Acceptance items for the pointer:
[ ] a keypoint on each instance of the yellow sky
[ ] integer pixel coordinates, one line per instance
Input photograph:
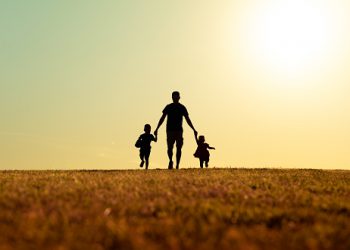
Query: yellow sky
(266, 82)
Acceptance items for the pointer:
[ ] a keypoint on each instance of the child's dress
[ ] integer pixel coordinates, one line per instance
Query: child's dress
(202, 151)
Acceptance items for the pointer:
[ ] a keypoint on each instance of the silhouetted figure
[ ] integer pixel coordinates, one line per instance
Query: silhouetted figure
(175, 112)
(202, 151)
(144, 143)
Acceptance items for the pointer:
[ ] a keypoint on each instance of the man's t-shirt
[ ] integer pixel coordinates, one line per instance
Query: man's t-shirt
(175, 113)
(146, 140)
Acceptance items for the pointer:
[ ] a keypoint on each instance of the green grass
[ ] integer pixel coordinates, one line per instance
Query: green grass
(185, 209)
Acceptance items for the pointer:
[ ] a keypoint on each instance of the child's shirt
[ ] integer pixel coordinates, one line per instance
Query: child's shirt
(146, 140)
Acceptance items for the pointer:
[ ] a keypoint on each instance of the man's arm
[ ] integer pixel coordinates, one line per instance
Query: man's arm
(161, 120)
(196, 136)
(188, 120)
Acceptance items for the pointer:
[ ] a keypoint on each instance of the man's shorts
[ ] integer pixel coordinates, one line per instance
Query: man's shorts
(175, 136)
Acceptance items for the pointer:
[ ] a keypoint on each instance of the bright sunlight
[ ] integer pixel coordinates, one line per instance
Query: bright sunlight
(292, 37)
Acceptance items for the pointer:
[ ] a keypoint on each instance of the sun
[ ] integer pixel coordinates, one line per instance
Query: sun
(290, 36)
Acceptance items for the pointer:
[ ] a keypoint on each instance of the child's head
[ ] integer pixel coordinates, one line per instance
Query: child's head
(147, 129)
(201, 138)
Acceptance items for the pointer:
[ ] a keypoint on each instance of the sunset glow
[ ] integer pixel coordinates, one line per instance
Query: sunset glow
(266, 82)
(294, 37)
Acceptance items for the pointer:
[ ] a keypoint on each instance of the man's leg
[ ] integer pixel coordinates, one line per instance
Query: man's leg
(170, 155)
(179, 144)
(178, 156)
(170, 142)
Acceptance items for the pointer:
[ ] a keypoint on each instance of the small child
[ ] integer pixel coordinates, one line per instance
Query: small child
(144, 143)
(202, 151)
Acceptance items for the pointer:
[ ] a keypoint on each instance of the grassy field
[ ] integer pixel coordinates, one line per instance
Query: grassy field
(184, 209)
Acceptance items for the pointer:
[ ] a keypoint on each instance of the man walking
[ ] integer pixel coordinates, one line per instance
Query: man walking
(175, 112)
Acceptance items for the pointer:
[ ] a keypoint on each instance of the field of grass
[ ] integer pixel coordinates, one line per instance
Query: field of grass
(184, 209)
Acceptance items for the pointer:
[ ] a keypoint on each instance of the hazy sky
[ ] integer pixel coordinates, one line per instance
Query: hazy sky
(266, 82)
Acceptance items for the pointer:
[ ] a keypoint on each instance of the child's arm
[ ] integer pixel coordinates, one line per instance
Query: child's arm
(211, 147)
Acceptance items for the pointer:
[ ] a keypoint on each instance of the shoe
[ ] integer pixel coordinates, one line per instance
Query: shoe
(206, 164)
(141, 164)
(170, 166)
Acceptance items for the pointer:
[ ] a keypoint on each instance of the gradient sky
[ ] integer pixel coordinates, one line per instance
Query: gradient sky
(266, 82)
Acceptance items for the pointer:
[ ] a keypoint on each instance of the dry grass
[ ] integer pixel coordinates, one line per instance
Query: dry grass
(185, 209)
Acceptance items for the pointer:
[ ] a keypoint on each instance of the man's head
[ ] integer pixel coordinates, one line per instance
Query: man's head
(176, 96)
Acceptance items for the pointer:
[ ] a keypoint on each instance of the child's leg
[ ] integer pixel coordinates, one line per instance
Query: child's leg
(207, 162)
(201, 162)
(147, 162)
(142, 155)
(147, 158)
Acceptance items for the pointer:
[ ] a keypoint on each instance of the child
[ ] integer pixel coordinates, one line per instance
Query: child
(144, 143)
(202, 151)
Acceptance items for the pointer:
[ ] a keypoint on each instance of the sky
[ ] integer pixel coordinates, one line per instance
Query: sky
(266, 82)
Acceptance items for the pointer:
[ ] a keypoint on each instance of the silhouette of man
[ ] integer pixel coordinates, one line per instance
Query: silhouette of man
(175, 112)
